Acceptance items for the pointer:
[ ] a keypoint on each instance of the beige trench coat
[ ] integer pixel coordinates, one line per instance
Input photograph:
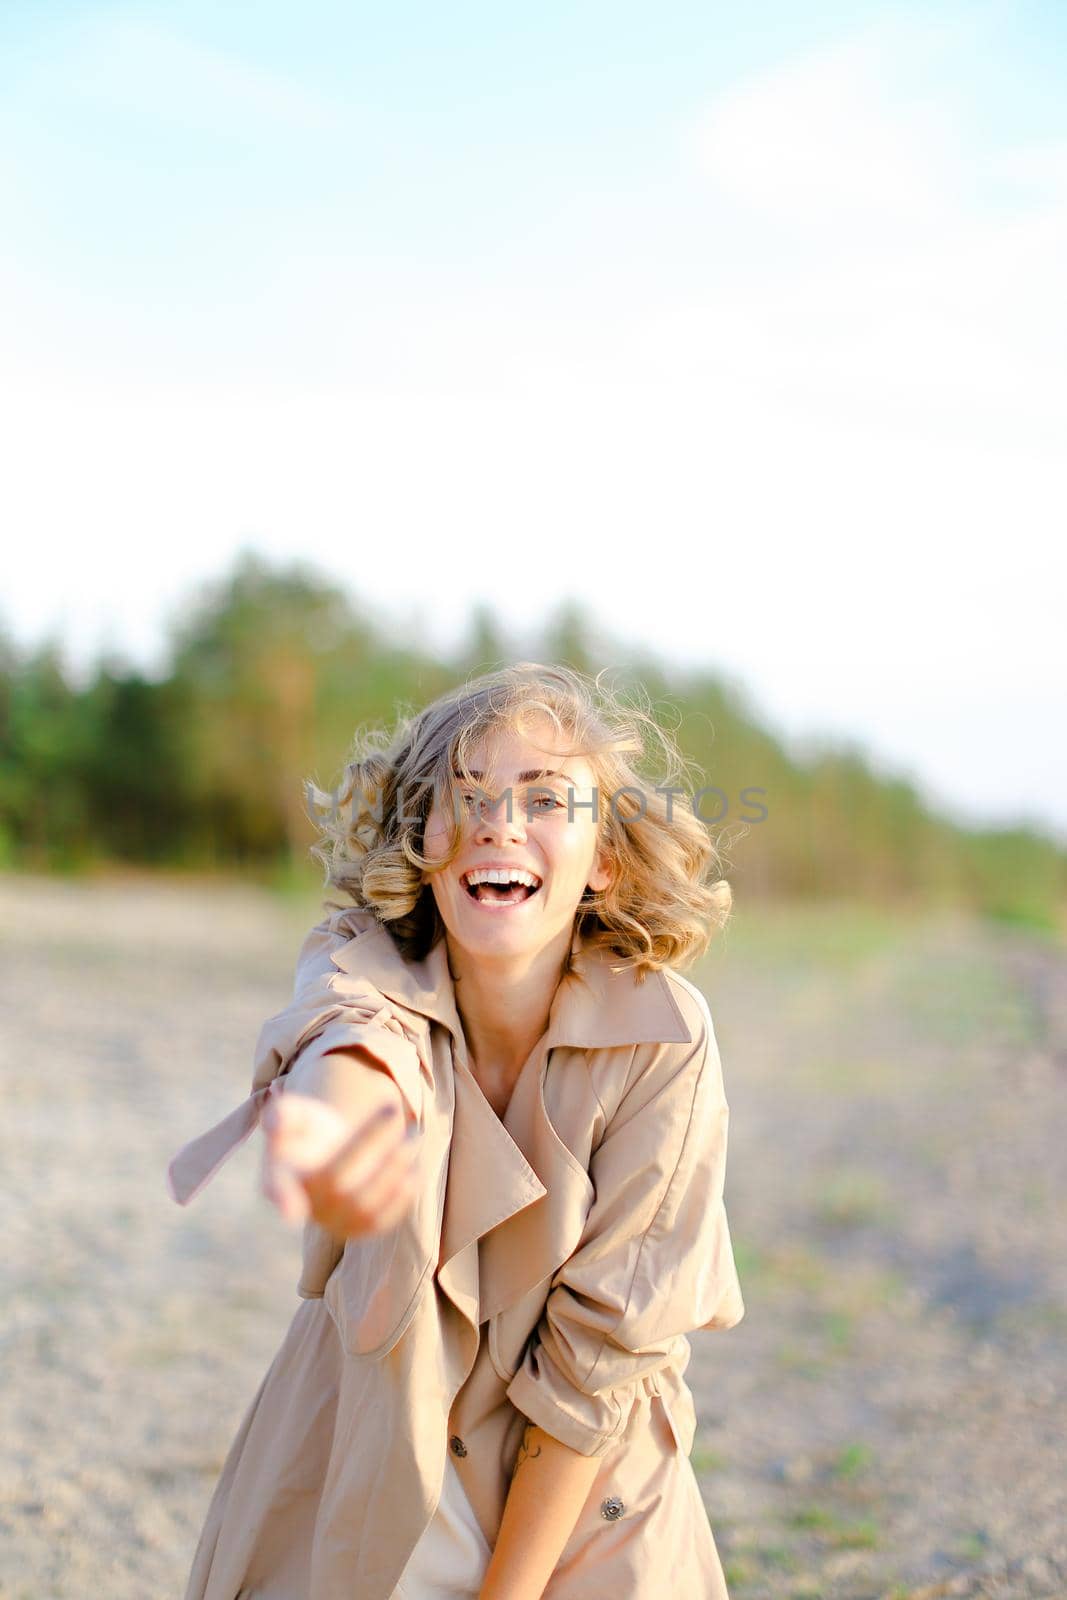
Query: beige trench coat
(550, 1268)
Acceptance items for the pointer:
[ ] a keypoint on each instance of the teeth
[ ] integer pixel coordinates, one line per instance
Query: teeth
(500, 875)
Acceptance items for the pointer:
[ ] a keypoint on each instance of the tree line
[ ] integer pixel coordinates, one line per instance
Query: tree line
(271, 669)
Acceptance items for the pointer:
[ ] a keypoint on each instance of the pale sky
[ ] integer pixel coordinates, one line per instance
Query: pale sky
(745, 326)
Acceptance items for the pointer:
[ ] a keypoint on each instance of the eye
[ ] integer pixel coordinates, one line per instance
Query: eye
(549, 801)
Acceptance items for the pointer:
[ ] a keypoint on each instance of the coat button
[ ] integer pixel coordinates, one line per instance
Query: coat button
(456, 1445)
(612, 1508)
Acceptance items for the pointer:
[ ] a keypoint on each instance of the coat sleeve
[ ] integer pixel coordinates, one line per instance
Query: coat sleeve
(654, 1262)
(330, 1010)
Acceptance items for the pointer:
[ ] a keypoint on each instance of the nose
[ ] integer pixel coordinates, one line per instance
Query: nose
(494, 824)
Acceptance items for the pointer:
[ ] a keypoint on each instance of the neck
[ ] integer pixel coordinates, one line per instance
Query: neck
(504, 1006)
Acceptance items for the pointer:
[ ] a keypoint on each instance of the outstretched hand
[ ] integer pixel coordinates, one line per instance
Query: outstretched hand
(351, 1179)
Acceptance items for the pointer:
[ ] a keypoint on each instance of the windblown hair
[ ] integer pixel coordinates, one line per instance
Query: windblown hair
(667, 896)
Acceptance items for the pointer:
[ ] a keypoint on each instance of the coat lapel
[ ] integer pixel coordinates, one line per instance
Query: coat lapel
(603, 1007)
(516, 1197)
(489, 1177)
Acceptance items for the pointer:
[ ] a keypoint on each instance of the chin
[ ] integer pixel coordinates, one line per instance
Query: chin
(487, 937)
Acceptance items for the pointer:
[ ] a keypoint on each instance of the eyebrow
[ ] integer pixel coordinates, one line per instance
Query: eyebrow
(523, 777)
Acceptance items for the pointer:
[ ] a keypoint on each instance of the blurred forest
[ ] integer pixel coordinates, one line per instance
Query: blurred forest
(271, 670)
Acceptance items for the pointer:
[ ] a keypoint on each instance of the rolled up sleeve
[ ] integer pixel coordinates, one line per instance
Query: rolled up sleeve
(330, 1011)
(654, 1262)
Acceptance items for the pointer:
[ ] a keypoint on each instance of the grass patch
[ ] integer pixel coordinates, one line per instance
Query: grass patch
(839, 1329)
(973, 1546)
(753, 1560)
(740, 1573)
(855, 1536)
(853, 1198)
(810, 1517)
(852, 1460)
(779, 1557)
(704, 1460)
(750, 1261)
(832, 1530)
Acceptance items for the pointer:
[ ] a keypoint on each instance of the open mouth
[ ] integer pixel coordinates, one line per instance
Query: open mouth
(497, 894)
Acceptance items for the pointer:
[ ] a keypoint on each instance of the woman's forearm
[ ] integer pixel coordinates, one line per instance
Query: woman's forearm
(348, 1078)
(549, 1486)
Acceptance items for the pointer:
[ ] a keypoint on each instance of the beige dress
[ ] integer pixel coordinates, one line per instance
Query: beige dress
(450, 1560)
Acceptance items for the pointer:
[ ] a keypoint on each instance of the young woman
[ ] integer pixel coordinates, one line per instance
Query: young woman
(498, 1110)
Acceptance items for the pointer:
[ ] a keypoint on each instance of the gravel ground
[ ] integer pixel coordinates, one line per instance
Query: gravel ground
(888, 1421)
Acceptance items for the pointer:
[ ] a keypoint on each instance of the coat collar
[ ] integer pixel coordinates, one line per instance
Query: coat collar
(604, 1007)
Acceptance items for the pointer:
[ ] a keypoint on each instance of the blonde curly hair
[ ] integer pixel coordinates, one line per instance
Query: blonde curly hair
(667, 896)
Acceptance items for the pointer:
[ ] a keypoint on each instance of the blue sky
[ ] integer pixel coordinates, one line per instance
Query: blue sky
(745, 325)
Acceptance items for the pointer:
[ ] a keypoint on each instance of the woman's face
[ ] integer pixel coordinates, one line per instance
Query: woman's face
(560, 850)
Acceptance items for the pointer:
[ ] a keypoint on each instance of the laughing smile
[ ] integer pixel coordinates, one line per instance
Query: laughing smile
(499, 888)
